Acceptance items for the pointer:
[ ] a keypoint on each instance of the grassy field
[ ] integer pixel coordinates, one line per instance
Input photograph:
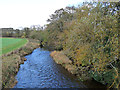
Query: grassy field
(10, 44)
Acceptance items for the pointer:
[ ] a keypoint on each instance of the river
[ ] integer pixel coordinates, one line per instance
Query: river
(40, 71)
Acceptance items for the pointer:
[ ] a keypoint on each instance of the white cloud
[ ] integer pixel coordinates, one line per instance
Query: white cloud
(14, 13)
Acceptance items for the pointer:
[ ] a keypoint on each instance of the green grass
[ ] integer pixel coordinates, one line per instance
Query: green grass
(10, 44)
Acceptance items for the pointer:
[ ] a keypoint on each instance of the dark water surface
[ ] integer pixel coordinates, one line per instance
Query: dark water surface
(40, 71)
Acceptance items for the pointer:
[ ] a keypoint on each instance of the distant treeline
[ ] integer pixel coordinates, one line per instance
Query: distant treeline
(10, 32)
(24, 33)
(89, 36)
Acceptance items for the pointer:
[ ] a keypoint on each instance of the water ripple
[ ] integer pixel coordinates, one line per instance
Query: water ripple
(40, 71)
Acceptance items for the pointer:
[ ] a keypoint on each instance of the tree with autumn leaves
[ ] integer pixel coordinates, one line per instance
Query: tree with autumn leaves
(89, 36)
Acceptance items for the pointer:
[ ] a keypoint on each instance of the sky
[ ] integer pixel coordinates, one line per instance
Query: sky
(24, 13)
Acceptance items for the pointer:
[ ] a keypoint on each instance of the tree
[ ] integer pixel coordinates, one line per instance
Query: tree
(26, 32)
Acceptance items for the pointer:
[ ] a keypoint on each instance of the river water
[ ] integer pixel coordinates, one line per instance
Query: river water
(40, 71)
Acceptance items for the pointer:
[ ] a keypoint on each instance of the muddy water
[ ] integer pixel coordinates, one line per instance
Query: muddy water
(40, 71)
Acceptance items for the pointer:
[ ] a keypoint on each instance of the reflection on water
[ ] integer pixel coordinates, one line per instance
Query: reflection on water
(40, 71)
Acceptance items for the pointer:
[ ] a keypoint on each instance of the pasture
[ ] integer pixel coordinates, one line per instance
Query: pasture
(10, 44)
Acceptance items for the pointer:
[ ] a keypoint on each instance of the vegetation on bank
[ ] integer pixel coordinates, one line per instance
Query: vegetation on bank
(10, 44)
(63, 60)
(11, 63)
(88, 35)
(9, 70)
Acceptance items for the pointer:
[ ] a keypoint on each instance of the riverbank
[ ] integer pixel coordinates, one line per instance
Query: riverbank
(12, 60)
(60, 58)
(63, 60)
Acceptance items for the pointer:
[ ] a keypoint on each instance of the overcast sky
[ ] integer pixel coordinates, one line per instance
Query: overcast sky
(24, 13)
